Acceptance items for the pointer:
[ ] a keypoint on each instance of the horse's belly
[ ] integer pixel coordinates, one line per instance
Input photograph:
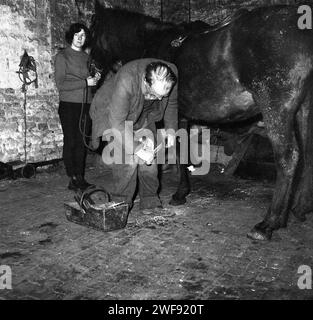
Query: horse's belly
(231, 107)
(240, 107)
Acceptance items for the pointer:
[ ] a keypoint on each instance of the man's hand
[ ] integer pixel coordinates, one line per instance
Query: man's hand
(146, 156)
(145, 151)
(169, 137)
(148, 144)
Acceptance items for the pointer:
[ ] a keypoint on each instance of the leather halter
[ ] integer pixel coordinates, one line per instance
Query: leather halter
(225, 22)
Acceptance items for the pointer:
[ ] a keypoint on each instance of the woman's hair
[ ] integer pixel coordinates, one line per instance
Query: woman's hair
(75, 28)
(153, 67)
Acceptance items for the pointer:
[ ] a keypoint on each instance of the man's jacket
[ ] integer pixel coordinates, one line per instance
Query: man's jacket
(120, 99)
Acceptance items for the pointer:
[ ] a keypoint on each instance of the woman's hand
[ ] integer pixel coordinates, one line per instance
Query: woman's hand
(92, 81)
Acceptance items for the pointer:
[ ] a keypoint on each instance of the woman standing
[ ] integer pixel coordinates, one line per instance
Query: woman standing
(74, 84)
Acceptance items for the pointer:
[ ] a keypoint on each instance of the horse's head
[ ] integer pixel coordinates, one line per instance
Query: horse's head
(101, 57)
(116, 36)
(119, 35)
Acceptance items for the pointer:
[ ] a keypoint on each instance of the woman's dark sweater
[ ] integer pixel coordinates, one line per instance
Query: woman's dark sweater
(71, 72)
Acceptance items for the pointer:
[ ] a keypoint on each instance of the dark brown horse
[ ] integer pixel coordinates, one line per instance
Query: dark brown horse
(260, 62)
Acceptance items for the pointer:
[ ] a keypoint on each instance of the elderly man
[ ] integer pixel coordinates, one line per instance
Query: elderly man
(141, 93)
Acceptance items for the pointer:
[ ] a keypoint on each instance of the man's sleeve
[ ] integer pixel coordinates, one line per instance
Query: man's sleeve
(171, 111)
(97, 114)
(119, 110)
(64, 81)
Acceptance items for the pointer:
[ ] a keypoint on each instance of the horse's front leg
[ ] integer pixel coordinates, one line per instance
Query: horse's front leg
(183, 188)
(280, 127)
(184, 184)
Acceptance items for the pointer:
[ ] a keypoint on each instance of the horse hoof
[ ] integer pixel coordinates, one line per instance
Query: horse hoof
(177, 201)
(258, 235)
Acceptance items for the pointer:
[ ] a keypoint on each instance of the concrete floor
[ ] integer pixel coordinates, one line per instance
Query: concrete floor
(197, 251)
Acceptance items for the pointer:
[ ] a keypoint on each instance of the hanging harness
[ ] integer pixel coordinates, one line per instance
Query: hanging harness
(26, 66)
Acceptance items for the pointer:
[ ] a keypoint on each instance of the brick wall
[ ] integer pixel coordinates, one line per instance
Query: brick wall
(210, 11)
(26, 25)
(150, 7)
(213, 11)
(37, 26)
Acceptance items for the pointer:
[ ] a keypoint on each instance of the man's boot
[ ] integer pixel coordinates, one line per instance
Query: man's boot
(83, 184)
(74, 184)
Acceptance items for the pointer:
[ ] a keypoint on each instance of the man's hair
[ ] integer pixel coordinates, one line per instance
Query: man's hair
(152, 67)
(75, 28)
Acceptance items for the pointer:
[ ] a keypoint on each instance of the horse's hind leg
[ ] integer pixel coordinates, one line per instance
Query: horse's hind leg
(302, 202)
(278, 114)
